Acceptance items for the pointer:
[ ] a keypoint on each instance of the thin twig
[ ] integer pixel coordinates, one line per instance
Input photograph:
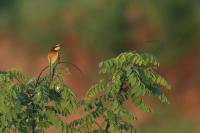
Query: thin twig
(98, 125)
(107, 126)
(33, 126)
(69, 63)
(19, 81)
(60, 62)
(40, 74)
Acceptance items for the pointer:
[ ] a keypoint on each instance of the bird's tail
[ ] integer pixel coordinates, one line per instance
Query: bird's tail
(51, 69)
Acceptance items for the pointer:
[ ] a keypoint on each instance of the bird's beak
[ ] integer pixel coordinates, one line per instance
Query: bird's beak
(57, 47)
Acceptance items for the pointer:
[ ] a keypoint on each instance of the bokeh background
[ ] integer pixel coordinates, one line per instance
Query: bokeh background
(94, 30)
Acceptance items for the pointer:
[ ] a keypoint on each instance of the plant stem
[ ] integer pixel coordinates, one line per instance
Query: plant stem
(38, 78)
(46, 67)
(33, 126)
(73, 65)
(98, 125)
(107, 126)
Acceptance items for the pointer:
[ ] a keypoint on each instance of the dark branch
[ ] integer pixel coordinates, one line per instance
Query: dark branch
(33, 126)
(60, 62)
(97, 124)
(73, 65)
(39, 76)
(107, 127)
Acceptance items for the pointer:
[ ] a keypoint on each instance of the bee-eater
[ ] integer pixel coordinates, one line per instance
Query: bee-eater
(53, 56)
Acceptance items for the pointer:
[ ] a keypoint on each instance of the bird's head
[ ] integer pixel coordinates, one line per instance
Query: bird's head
(57, 47)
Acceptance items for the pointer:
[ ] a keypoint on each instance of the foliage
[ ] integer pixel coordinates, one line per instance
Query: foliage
(34, 104)
(128, 76)
(27, 103)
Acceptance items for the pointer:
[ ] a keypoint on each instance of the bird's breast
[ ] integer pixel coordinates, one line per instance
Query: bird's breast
(52, 57)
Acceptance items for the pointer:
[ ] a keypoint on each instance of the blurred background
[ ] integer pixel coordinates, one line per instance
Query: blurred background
(95, 30)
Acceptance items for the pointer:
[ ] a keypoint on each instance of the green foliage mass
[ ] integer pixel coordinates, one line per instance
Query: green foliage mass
(34, 104)
(26, 102)
(128, 76)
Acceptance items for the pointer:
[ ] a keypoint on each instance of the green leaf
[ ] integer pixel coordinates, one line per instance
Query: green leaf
(53, 118)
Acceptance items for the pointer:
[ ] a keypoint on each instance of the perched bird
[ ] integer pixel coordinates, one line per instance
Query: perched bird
(53, 56)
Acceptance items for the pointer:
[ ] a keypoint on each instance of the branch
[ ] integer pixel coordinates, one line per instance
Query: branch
(98, 125)
(33, 126)
(60, 62)
(107, 127)
(73, 65)
(39, 76)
